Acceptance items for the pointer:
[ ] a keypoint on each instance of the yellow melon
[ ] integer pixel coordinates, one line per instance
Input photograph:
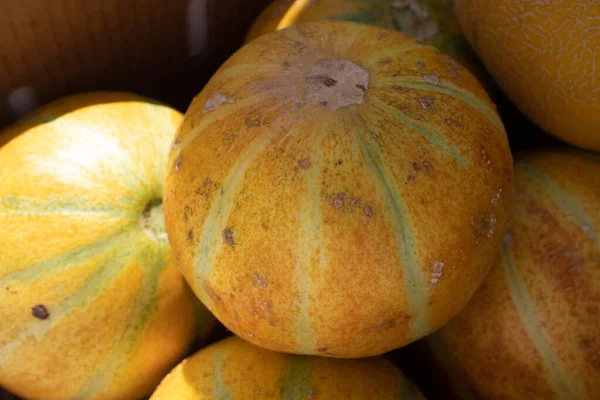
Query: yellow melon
(545, 57)
(91, 303)
(531, 331)
(233, 369)
(338, 189)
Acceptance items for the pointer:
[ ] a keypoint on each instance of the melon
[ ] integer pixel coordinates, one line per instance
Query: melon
(544, 56)
(531, 331)
(338, 189)
(92, 304)
(236, 370)
(432, 22)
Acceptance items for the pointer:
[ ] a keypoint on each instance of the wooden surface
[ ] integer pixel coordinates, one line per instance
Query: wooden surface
(156, 48)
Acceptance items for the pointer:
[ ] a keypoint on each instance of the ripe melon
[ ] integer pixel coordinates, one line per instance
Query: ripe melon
(91, 303)
(531, 331)
(233, 369)
(544, 56)
(432, 22)
(338, 189)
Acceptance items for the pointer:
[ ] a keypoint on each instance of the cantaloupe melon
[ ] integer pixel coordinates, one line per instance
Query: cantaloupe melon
(532, 330)
(544, 55)
(233, 369)
(338, 189)
(91, 303)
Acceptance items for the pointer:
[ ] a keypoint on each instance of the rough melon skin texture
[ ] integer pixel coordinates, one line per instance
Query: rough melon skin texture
(531, 331)
(92, 304)
(432, 22)
(544, 56)
(338, 189)
(233, 369)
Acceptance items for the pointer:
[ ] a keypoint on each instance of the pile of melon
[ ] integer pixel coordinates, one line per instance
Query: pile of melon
(344, 211)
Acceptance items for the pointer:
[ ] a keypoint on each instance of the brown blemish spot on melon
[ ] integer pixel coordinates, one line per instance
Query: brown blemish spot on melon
(305, 163)
(492, 225)
(253, 119)
(432, 79)
(325, 350)
(427, 103)
(216, 101)
(228, 237)
(436, 274)
(338, 201)
(369, 211)
(266, 306)
(178, 164)
(176, 142)
(259, 280)
(40, 312)
(452, 122)
(388, 323)
(206, 188)
(481, 227)
(334, 83)
(312, 393)
(190, 236)
(428, 166)
(416, 166)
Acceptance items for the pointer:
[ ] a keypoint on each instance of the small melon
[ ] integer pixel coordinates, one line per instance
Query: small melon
(233, 369)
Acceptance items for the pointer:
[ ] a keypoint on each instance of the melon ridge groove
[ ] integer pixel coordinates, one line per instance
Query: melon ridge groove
(447, 88)
(211, 241)
(211, 117)
(12, 205)
(416, 289)
(296, 381)
(90, 290)
(310, 226)
(220, 391)
(138, 317)
(569, 205)
(447, 149)
(69, 259)
(525, 307)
